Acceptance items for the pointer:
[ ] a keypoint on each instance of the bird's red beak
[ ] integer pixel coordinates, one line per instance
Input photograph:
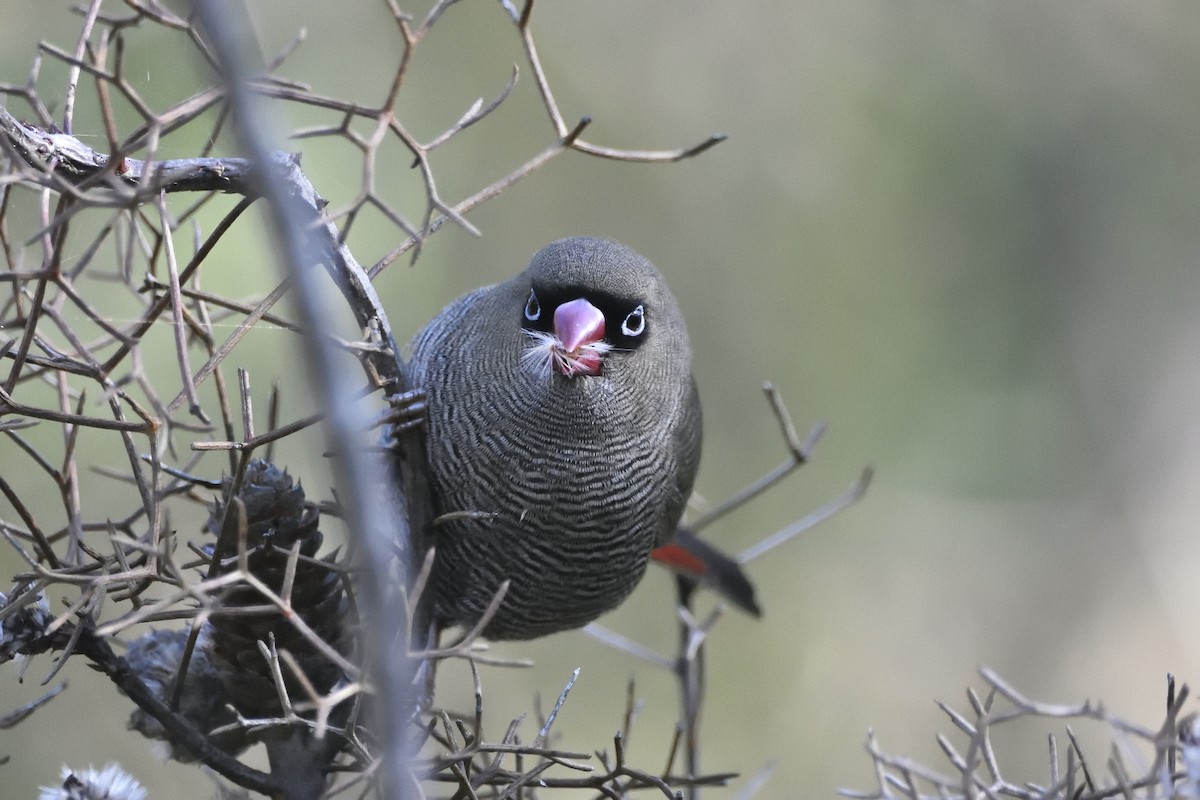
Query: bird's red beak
(578, 324)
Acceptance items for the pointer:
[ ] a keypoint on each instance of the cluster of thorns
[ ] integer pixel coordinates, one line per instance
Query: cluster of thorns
(252, 634)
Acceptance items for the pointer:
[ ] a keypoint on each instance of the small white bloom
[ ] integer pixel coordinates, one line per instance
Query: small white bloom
(110, 783)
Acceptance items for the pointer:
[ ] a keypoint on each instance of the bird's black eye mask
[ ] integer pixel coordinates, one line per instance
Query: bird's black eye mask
(626, 322)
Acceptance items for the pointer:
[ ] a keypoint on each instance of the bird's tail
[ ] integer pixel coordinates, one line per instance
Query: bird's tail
(694, 559)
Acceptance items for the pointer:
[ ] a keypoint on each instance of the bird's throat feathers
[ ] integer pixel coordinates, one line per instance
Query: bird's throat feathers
(545, 359)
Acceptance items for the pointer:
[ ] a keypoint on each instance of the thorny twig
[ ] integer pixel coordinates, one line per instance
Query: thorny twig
(114, 220)
(983, 771)
(689, 661)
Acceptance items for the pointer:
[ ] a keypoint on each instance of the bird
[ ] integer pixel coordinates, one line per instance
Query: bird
(563, 437)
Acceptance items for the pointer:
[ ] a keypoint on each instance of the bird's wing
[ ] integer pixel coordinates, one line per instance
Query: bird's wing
(687, 438)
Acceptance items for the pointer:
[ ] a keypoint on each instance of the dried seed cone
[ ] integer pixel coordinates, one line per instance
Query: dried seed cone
(277, 517)
(154, 657)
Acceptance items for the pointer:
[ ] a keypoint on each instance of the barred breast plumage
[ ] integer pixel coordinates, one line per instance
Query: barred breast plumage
(563, 437)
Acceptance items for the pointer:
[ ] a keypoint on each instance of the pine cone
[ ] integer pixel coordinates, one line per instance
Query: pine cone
(277, 517)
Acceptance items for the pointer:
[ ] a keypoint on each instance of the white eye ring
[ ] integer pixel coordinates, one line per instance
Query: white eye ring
(634, 323)
(533, 309)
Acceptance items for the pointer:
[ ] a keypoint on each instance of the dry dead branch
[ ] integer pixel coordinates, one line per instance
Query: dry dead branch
(117, 338)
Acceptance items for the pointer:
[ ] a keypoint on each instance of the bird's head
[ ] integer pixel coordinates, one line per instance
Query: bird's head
(592, 304)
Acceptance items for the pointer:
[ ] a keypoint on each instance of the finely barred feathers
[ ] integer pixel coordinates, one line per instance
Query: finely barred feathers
(545, 354)
(581, 477)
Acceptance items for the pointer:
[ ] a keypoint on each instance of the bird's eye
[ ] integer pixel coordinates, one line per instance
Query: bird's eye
(635, 323)
(533, 309)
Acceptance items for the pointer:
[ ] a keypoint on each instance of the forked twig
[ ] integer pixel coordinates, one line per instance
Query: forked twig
(113, 220)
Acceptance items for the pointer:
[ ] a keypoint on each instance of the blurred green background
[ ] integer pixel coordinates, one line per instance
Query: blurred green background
(965, 235)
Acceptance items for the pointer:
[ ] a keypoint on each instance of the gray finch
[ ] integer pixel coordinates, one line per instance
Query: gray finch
(563, 437)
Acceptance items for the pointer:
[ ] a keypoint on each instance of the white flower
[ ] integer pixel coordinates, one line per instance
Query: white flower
(110, 783)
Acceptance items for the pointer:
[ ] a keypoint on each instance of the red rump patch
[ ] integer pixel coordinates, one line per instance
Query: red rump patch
(676, 557)
(696, 560)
